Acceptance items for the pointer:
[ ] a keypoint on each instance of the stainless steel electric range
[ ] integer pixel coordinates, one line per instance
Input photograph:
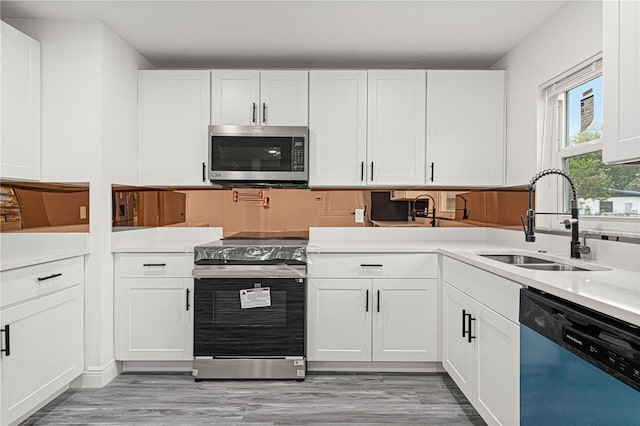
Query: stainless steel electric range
(249, 301)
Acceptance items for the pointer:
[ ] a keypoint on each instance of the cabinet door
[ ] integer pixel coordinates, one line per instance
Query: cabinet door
(621, 85)
(154, 319)
(173, 127)
(339, 319)
(20, 148)
(47, 350)
(497, 367)
(457, 352)
(284, 97)
(396, 128)
(337, 128)
(465, 127)
(235, 97)
(405, 320)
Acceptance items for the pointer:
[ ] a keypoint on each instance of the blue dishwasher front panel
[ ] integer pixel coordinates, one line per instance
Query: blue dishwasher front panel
(560, 388)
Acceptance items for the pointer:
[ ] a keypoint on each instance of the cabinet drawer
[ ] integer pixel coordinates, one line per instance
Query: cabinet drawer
(500, 294)
(37, 280)
(135, 265)
(373, 265)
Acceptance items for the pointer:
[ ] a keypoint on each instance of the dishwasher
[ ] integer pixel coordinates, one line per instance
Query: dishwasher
(577, 366)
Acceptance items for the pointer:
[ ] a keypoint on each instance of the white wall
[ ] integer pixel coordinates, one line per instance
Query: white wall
(569, 37)
(89, 134)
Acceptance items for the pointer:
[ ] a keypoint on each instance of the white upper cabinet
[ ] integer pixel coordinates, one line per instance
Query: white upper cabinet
(20, 69)
(396, 128)
(284, 97)
(173, 111)
(337, 128)
(465, 128)
(261, 98)
(235, 97)
(621, 81)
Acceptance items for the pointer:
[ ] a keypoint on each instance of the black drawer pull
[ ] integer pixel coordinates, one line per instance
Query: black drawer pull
(366, 305)
(7, 340)
(188, 305)
(154, 264)
(253, 118)
(49, 277)
(469, 323)
(464, 329)
(204, 172)
(371, 265)
(378, 300)
(264, 112)
(432, 169)
(362, 171)
(372, 171)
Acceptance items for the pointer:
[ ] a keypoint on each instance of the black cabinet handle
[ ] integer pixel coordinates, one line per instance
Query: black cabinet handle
(253, 120)
(378, 300)
(464, 317)
(470, 337)
(188, 305)
(49, 277)
(204, 172)
(432, 168)
(362, 171)
(7, 340)
(264, 112)
(371, 265)
(372, 171)
(366, 305)
(154, 264)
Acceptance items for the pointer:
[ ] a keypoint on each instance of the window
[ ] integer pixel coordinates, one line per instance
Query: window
(572, 141)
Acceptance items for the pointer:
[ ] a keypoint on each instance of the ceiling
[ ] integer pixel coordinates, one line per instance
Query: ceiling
(308, 34)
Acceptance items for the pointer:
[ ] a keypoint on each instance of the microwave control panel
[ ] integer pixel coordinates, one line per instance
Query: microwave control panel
(297, 161)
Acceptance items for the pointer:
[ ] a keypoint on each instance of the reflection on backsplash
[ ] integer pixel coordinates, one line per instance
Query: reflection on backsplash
(271, 209)
(44, 207)
(134, 207)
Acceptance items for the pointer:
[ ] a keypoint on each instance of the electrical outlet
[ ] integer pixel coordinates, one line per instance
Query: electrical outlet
(83, 212)
(359, 215)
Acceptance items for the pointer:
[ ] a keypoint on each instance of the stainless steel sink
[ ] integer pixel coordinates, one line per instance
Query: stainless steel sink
(516, 259)
(551, 267)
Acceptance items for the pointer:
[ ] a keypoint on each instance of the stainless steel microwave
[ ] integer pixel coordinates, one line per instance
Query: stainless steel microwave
(268, 155)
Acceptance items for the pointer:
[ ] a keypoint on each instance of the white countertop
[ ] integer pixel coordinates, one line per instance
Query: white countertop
(162, 240)
(615, 291)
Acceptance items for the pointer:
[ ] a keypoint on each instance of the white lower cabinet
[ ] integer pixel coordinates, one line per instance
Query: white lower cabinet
(154, 307)
(481, 351)
(358, 318)
(42, 338)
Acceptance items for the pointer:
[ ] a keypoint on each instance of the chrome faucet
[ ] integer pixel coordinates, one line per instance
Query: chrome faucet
(465, 212)
(415, 213)
(529, 228)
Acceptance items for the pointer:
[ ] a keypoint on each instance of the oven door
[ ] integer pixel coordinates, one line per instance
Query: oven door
(224, 329)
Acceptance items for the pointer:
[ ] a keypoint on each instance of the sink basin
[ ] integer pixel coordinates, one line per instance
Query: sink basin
(551, 267)
(516, 259)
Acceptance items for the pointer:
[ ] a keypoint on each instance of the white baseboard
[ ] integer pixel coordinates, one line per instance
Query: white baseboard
(35, 409)
(97, 377)
(157, 366)
(376, 367)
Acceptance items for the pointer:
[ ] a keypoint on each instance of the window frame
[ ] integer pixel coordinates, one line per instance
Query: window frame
(554, 153)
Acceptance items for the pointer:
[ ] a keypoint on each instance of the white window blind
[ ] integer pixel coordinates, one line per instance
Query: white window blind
(588, 70)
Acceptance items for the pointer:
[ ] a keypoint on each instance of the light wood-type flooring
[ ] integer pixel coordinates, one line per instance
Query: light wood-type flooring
(428, 399)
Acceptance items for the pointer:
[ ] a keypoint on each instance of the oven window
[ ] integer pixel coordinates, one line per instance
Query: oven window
(226, 311)
(222, 328)
(238, 153)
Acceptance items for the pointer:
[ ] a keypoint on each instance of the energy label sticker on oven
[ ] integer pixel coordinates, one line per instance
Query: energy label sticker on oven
(255, 297)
